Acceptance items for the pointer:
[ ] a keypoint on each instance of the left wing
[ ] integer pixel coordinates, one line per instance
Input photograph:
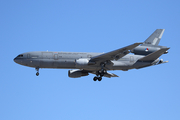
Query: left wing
(109, 75)
(116, 54)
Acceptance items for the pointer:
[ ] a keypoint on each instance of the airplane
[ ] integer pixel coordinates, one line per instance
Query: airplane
(82, 63)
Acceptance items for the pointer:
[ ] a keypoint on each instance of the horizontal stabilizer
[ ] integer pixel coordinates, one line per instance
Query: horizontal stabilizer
(153, 56)
(161, 61)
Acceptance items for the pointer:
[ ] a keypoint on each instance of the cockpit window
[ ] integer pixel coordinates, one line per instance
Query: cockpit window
(20, 55)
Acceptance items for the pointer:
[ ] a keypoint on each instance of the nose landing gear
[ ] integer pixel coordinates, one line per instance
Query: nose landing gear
(37, 74)
(37, 69)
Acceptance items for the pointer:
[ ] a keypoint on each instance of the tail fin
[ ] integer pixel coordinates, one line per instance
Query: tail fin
(154, 38)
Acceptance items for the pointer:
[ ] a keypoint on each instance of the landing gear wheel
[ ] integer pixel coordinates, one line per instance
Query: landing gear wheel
(95, 78)
(37, 74)
(37, 69)
(100, 78)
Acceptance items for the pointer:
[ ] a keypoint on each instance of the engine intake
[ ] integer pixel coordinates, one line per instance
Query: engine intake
(77, 73)
(81, 62)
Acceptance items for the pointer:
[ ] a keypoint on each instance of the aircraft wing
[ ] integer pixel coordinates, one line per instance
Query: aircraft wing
(155, 55)
(109, 75)
(116, 54)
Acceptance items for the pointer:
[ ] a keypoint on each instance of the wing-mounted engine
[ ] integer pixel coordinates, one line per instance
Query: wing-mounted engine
(83, 62)
(77, 73)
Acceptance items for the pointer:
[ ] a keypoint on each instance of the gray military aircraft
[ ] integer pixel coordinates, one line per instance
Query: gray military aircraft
(99, 63)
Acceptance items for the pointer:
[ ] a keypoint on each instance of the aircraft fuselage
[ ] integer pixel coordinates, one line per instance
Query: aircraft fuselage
(99, 63)
(68, 60)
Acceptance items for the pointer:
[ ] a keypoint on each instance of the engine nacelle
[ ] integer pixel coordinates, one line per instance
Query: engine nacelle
(81, 62)
(144, 50)
(77, 73)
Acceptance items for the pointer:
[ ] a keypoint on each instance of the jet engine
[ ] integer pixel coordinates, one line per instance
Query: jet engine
(77, 73)
(145, 50)
(81, 62)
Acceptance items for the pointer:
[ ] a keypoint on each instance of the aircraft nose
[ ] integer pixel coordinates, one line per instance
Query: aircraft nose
(16, 60)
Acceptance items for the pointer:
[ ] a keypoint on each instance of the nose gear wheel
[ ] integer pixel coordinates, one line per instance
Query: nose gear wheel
(37, 69)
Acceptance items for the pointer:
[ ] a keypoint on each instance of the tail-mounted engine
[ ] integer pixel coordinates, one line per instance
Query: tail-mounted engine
(145, 50)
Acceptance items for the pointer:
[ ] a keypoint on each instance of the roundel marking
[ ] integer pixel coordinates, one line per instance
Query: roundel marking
(146, 49)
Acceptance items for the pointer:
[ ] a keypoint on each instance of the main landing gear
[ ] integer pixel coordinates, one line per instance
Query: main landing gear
(97, 78)
(100, 73)
(37, 69)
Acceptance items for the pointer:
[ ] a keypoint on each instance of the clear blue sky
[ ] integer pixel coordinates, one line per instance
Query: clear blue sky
(151, 93)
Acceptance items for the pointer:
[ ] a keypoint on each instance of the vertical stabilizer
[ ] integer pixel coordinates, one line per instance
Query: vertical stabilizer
(154, 38)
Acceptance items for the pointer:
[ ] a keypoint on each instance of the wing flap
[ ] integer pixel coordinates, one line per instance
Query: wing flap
(109, 75)
(155, 55)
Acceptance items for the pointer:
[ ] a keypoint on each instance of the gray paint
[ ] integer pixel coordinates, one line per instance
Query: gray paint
(67, 60)
(95, 63)
(150, 45)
